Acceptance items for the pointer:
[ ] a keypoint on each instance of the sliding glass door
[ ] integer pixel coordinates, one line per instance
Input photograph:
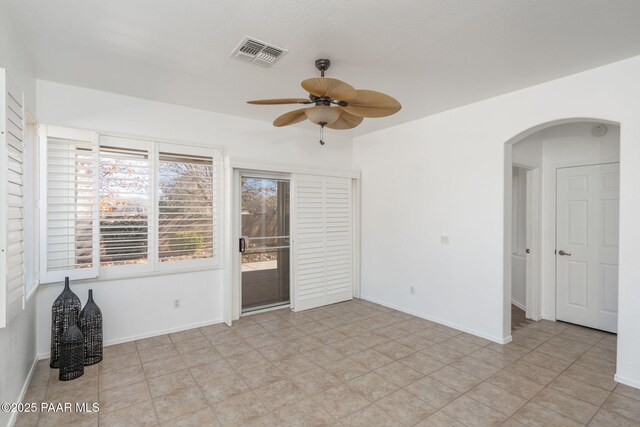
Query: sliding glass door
(264, 244)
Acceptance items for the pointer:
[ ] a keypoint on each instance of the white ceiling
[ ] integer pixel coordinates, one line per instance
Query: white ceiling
(432, 55)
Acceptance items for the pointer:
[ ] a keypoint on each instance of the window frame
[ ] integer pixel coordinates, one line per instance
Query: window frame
(154, 267)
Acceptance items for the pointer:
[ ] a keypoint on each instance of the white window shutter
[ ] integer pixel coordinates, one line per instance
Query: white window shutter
(323, 240)
(69, 202)
(12, 291)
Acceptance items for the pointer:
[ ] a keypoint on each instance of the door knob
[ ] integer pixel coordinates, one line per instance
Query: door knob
(563, 253)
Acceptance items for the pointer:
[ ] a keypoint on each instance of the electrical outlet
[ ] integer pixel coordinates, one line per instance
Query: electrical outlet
(176, 303)
(444, 239)
(412, 290)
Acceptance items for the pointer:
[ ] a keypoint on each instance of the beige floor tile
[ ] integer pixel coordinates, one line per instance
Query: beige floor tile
(201, 418)
(240, 410)
(294, 365)
(399, 374)
(422, 363)
(121, 397)
(341, 401)
(200, 357)
(247, 361)
(185, 335)
(461, 346)
(324, 355)
(455, 378)
(234, 348)
(433, 392)
(121, 378)
(394, 350)
(180, 402)
(262, 375)
(405, 408)
(581, 390)
(278, 351)
(499, 360)
(627, 391)
(263, 340)
(345, 369)
(119, 361)
(535, 415)
(439, 419)
(278, 394)
(515, 384)
(118, 349)
(605, 418)
(306, 413)
(153, 342)
(472, 413)
(567, 405)
(415, 342)
(534, 373)
(475, 367)
(443, 353)
(211, 371)
(150, 354)
(224, 388)
(497, 398)
(370, 339)
(348, 346)
(193, 344)
(371, 359)
(545, 361)
(163, 366)
(141, 414)
(372, 386)
(590, 376)
(371, 416)
(623, 405)
(268, 420)
(315, 380)
(170, 383)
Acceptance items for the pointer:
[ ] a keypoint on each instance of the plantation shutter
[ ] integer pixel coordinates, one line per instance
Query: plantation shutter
(323, 240)
(12, 262)
(125, 204)
(69, 204)
(187, 183)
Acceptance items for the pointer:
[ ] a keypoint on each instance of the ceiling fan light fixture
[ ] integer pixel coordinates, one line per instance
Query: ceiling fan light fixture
(322, 114)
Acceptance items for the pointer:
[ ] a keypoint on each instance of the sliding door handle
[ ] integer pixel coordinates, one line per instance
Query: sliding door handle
(242, 245)
(561, 252)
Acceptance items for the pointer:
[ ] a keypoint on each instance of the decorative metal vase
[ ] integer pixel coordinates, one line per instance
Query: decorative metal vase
(64, 312)
(91, 327)
(71, 354)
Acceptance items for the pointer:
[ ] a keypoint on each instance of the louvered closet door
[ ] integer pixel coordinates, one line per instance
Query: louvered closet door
(323, 245)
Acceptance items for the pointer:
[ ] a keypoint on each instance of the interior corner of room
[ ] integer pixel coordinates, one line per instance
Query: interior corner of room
(498, 207)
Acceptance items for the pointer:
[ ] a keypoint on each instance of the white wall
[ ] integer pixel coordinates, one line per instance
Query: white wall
(135, 308)
(445, 174)
(18, 339)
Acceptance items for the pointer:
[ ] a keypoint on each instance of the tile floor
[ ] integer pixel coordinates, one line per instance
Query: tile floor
(350, 364)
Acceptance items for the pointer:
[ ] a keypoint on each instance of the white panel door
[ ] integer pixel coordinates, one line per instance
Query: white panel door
(323, 241)
(588, 199)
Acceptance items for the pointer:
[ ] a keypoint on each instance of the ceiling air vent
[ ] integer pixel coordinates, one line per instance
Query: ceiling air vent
(258, 52)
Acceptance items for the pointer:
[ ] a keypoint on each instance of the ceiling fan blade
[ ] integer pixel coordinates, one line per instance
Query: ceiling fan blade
(280, 101)
(369, 103)
(327, 86)
(345, 121)
(290, 118)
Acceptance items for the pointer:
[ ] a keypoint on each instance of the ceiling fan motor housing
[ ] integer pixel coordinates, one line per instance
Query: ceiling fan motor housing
(322, 65)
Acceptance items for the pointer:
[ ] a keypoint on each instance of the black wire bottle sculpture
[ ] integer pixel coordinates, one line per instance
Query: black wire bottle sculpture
(91, 327)
(71, 353)
(64, 312)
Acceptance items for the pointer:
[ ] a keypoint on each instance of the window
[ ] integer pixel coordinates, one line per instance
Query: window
(155, 207)
(125, 202)
(185, 207)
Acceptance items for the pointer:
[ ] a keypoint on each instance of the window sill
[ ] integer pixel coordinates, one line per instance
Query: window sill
(141, 275)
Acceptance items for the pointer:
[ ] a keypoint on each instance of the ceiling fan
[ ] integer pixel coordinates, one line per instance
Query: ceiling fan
(336, 104)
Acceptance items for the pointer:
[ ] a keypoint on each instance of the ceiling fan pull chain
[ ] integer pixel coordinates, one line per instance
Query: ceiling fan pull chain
(321, 134)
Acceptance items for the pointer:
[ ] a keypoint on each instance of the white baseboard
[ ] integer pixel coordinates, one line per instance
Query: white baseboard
(504, 340)
(627, 381)
(23, 392)
(520, 306)
(45, 355)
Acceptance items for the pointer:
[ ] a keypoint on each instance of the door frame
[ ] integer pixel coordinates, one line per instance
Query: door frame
(533, 285)
(236, 221)
(553, 173)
